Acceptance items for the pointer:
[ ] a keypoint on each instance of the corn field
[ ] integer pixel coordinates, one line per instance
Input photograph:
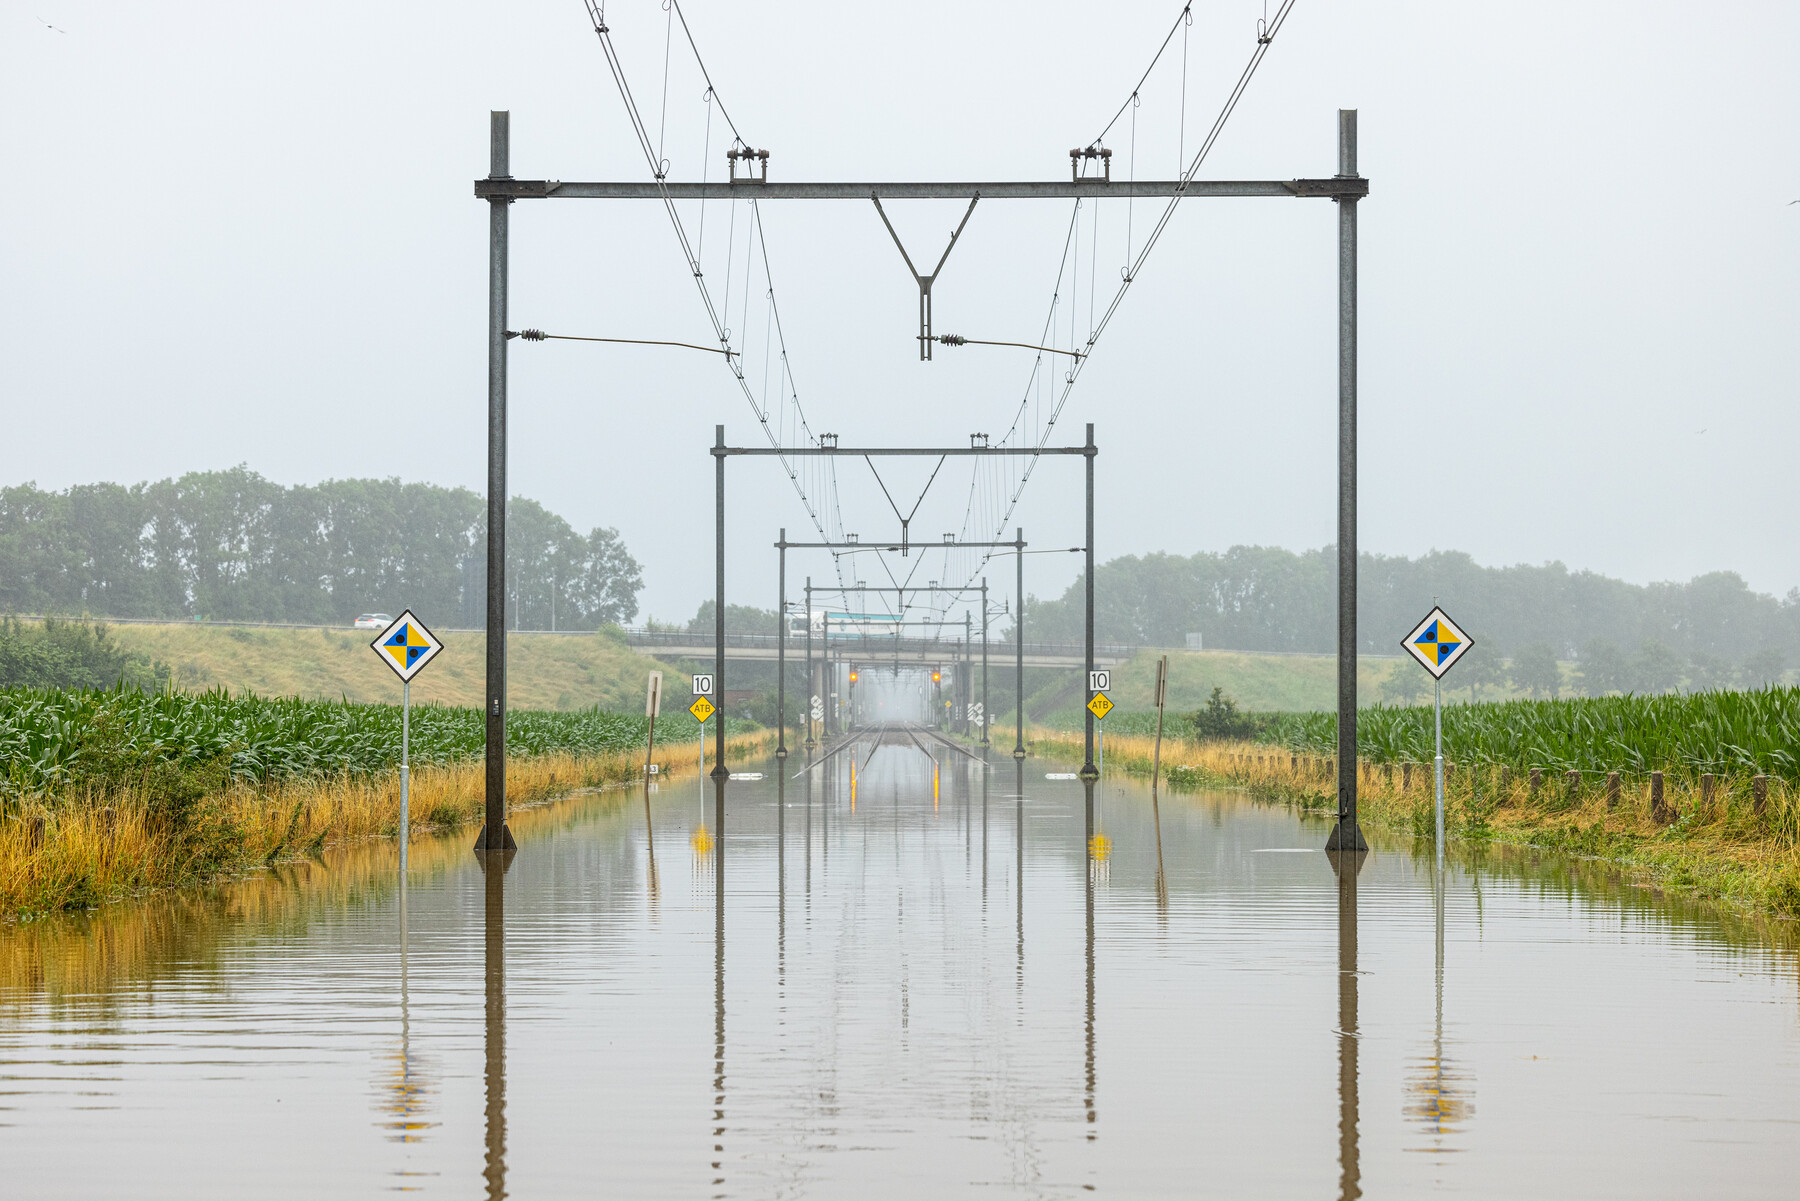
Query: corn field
(52, 740)
(1725, 733)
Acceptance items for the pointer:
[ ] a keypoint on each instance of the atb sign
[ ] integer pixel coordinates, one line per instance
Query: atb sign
(406, 646)
(702, 708)
(1100, 704)
(1437, 643)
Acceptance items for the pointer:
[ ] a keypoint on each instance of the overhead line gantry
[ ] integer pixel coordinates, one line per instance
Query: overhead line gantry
(501, 190)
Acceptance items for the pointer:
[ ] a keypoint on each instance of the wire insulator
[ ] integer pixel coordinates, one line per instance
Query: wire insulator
(952, 339)
(532, 335)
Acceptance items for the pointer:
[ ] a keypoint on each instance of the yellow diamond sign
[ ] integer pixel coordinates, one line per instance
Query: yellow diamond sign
(1100, 706)
(701, 708)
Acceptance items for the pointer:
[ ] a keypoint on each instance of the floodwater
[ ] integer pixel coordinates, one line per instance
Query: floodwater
(916, 985)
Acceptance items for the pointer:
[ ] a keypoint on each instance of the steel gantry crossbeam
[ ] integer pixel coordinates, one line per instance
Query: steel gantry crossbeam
(721, 452)
(501, 190)
(505, 188)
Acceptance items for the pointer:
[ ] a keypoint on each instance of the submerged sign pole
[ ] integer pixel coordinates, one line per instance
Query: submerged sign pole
(1436, 643)
(406, 646)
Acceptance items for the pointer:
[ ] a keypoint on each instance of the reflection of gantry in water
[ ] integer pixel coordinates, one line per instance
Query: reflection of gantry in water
(863, 744)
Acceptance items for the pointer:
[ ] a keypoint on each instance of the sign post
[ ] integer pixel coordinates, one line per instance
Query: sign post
(702, 708)
(1437, 644)
(1100, 705)
(652, 707)
(406, 646)
(1162, 687)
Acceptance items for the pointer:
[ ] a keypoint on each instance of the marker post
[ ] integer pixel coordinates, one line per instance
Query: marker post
(406, 646)
(405, 749)
(1437, 644)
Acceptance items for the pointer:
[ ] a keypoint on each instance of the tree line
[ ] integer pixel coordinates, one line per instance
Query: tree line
(231, 545)
(1711, 632)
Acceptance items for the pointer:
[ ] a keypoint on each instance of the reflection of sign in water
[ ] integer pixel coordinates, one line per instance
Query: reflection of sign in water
(1436, 643)
(1439, 1099)
(1100, 706)
(405, 1101)
(701, 708)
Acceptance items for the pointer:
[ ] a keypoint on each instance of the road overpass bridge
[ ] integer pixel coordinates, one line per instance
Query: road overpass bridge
(762, 648)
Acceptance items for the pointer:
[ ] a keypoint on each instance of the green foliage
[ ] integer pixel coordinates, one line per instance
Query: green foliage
(232, 545)
(1259, 598)
(180, 747)
(1535, 670)
(1719, 732)
(1221, 721)
(70, 654)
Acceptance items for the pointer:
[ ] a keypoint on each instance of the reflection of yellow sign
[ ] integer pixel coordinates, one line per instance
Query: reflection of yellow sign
(701, 708)
(702, 841)
(1100, 848)
(1100, 706)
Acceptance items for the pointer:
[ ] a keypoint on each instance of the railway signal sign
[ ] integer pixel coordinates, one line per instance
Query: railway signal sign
(1437, 643)
(703, 685)
(701, 708)
(818, 707)
(1099, 681)
(1100, 706)
(406, 646)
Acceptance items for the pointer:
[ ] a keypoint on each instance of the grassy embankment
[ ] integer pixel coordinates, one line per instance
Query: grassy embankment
(563, 672)
(1258, 683)
(110, 794)
(1710, 836)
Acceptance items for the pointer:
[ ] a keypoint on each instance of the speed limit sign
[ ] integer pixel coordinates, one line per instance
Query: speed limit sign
(702, 685)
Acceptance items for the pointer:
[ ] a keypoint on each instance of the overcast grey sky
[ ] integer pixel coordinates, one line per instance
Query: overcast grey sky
(245, 233)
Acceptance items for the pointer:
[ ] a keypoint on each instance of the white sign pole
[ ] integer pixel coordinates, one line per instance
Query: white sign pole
(1439, 689)
(405, 749)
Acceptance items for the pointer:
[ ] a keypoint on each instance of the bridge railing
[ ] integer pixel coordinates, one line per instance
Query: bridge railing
(861, 644)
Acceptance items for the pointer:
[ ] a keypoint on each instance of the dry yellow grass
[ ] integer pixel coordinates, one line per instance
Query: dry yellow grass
(90, 850)
(89, 952)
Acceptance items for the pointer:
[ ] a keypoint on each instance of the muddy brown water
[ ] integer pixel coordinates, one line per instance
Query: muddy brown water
(922, 985)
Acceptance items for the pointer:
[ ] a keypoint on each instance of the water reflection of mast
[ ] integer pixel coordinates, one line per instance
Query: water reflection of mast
(494, 865)
(809, 780)
(1090, 978)
(1019, 870)
(719, 981)
(984, 830)
(780, 873)
(1347, 864)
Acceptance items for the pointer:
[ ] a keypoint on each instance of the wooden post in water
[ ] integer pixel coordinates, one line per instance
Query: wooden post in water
(1162, 680)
